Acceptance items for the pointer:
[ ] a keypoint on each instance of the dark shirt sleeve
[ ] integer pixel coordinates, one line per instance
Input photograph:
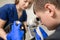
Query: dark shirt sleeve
(23, 17)
(3, 12)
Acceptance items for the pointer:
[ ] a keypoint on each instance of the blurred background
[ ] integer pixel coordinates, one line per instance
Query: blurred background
(2, 2)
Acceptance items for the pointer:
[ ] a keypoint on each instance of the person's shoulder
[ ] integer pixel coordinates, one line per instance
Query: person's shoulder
(24, 13)
(54, 36)
(4, 7)
(10, 5)
(7, 5)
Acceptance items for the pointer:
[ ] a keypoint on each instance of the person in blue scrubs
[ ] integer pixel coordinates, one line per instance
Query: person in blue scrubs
(12, 12)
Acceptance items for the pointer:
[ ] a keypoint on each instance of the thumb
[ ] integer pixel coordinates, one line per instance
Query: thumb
(18, 24)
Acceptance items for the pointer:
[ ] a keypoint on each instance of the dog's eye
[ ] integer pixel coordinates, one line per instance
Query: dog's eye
(37, 19)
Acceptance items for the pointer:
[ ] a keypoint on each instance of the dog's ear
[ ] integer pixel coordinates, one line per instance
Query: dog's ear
(7, 28)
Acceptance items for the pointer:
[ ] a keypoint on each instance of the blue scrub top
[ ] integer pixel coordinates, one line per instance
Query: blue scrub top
(9, 13)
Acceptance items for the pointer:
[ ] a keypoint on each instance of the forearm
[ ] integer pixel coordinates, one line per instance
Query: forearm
(2, 34)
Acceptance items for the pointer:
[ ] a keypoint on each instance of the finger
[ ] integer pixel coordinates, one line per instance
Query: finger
(19, 24)
(13, 25)
(8, 37)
